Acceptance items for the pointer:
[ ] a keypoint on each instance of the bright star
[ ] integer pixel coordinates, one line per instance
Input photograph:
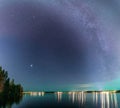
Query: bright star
(31, 65)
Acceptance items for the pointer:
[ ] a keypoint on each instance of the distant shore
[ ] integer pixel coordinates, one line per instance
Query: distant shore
(98, 91)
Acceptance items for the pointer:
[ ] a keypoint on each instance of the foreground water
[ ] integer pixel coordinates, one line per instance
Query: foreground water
(69, 100)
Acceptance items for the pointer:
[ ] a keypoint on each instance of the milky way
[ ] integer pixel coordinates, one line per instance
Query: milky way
(66, 42)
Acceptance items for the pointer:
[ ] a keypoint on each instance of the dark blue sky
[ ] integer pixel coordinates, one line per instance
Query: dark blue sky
(50, 44)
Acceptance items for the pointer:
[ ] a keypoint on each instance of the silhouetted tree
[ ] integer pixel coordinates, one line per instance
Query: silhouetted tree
(9, 91)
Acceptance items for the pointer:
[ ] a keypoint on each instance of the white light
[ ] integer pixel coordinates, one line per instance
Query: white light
(31, 65)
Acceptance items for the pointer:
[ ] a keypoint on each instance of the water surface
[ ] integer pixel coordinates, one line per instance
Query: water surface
(70, 100)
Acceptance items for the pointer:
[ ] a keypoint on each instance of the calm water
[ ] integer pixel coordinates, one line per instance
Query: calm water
(70, 100)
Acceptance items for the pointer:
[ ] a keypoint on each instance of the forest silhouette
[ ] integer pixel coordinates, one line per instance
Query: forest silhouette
(9, 91)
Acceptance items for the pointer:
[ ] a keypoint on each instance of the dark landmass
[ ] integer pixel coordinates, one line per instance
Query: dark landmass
(9, 91)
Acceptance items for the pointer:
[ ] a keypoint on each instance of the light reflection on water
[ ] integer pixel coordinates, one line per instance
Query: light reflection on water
(77, 96)
(59, 96)
(107, 99)
(35, 93)
(103, 99)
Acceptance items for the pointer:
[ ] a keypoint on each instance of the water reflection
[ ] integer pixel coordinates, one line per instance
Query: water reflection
(77, 96)
(95, 97)
(108, 100)
(34, 93)
(83, 99)
(104, 99)
(7, 102)
(37, 93)
(59, 96)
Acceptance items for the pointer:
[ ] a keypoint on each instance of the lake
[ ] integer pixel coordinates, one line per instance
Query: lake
(69, 100)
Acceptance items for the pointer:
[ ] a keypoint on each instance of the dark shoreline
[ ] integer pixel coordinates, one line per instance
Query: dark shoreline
(49, 92)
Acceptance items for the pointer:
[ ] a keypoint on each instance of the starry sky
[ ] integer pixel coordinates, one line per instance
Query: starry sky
(51, 44)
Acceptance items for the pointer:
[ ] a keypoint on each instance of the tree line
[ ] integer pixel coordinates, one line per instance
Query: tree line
(9, 91)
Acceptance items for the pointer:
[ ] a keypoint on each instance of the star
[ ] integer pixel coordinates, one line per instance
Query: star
(31, 65)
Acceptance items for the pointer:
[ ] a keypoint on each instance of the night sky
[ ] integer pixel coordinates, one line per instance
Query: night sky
(61, 44)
